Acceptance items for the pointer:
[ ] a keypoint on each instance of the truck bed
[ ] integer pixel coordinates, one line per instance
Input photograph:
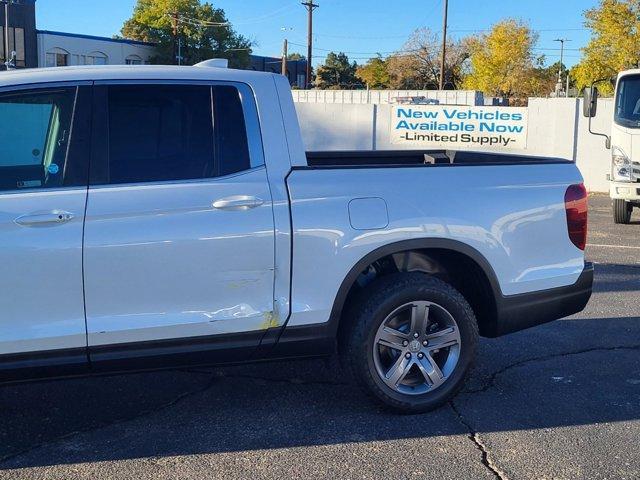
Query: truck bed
(386, 158)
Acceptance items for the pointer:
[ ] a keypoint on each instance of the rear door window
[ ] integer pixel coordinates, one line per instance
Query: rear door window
(231, 132)
(157, 133)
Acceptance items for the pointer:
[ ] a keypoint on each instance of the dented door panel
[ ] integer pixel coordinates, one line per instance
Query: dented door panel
(162, 262)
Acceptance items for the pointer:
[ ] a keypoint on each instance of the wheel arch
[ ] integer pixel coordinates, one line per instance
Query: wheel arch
(445, 255)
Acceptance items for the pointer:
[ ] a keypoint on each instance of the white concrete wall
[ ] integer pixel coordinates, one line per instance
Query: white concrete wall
(327, 126)
(552, 124)
(556, 128)
(382, 97)
(116, 51)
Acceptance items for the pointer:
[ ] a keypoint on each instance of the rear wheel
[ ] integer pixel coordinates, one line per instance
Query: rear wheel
(622, 211)
(411, 342)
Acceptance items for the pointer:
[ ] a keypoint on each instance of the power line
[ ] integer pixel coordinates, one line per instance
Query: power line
(342, 51)
(376, 37)
(262, 18)
(557, 49)
(279, 12)
(474, 30)
(201, 23)
(358, 37)
(429, 13)
(390, 52)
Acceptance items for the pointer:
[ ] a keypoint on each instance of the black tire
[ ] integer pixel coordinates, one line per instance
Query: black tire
(622, 211)
(374, 306)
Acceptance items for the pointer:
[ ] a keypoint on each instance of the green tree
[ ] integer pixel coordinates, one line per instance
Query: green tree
(337, 72)
(374, 73)
(548, 77)
(614, 44)
(502, 62)
(204, 32)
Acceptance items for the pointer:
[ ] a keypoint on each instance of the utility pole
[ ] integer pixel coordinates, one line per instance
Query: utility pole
(560, 83)
(7, 62)
(8, 57)
(444, 43)
(285, 54)
(176, 41)
(310, 8)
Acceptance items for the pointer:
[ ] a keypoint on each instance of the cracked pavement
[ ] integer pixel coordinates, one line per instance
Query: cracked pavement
(558, 401)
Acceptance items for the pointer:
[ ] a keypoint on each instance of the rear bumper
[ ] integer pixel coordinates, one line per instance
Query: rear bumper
(517, 312)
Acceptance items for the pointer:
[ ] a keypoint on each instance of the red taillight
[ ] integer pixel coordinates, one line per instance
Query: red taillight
(576, 206)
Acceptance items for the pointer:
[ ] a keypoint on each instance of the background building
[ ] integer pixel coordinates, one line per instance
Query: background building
(58, 49)
(296, 69)
(44, 48)
(22, 34)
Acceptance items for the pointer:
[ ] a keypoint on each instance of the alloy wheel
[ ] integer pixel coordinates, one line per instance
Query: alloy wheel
(417, 347)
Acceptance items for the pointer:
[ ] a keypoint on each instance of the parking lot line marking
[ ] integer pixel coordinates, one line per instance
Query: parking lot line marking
(612, 246)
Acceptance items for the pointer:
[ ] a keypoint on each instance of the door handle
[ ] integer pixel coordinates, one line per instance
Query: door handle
(237, 203)
(55, 217)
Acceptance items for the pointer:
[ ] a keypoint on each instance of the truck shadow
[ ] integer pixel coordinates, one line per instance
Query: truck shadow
(548, 377)
(611, 277)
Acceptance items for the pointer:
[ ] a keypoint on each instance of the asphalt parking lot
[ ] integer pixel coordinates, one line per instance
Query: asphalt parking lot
(558, 401)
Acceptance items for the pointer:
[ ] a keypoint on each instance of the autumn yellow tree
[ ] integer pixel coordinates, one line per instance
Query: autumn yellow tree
(502, 62)
(614, 44)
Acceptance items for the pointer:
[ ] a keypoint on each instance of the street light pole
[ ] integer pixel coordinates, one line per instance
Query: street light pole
(560, 83)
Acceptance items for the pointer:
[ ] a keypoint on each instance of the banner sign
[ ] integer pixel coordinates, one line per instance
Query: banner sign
(449, 126)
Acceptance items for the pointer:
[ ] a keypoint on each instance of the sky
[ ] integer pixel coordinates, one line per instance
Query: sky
(357, 27)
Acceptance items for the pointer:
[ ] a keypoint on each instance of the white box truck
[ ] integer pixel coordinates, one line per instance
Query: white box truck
(624, 143)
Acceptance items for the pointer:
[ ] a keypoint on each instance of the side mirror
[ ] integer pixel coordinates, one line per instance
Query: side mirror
(590, 106)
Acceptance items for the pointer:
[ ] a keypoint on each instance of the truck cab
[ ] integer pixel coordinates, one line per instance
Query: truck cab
(624, 142)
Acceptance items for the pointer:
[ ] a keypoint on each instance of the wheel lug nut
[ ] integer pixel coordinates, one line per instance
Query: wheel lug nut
(405, 343)
(425, 343)
(407, 355)
(421, 355)
(416, 335)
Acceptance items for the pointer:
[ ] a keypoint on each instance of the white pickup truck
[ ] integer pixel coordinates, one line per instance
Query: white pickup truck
(156, 217)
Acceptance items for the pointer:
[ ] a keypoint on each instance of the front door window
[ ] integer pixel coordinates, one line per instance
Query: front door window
(35, 131)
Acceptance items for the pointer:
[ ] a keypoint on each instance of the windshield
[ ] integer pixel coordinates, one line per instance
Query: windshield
(627, 111)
